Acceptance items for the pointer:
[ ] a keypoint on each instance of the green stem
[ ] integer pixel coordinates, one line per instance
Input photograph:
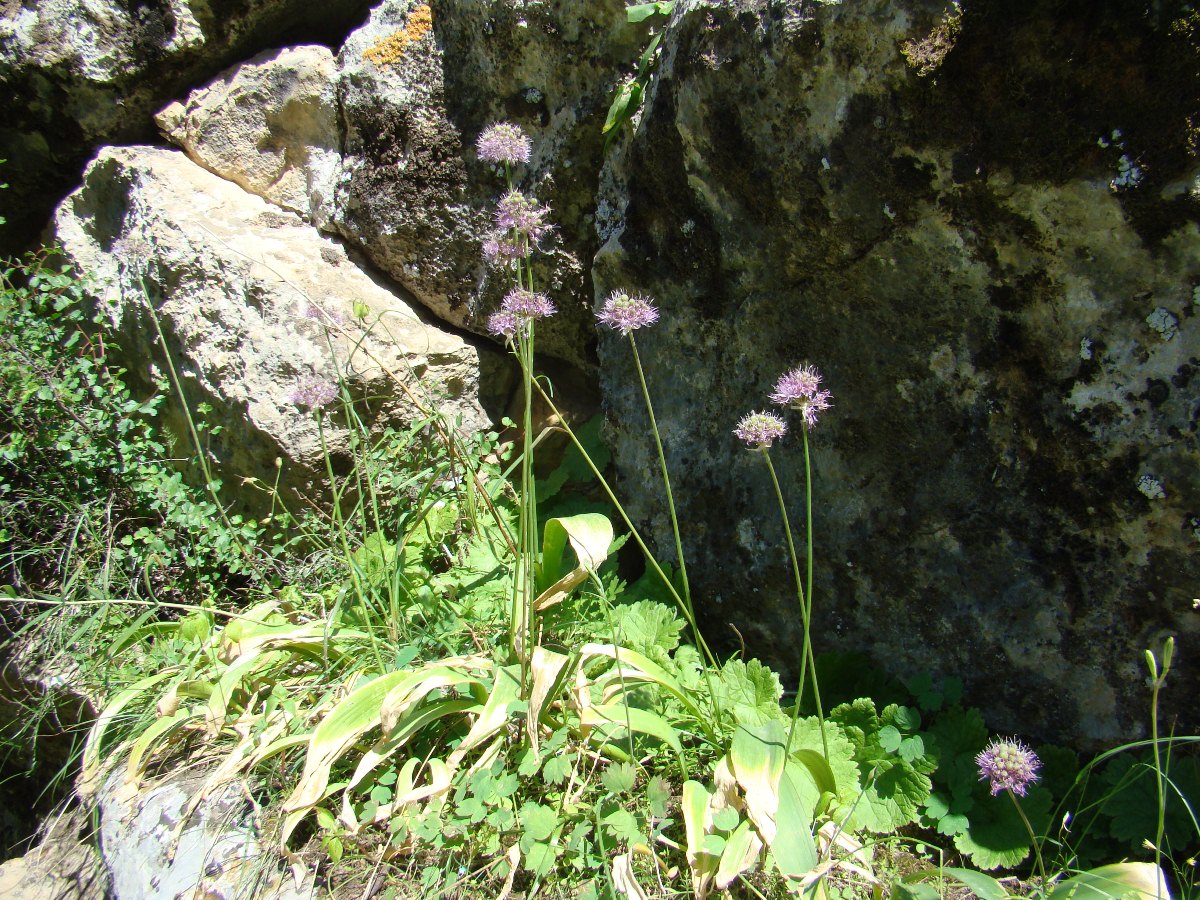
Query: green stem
(1037, 847)
(662, 463)
(806, 654)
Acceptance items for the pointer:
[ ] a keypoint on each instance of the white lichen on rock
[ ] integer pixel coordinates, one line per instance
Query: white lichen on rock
(1163, 322)
(1151, 488)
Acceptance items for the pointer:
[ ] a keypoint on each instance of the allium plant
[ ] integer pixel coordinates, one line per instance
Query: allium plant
(626, 313)
(313, 393)
(504, 143)
(800, 390)
(520, 223)
(1009, 766)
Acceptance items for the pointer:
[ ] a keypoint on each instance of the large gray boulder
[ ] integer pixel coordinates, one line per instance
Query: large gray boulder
(983, 229)
(78, 74)
(409, 94)
(257, 311)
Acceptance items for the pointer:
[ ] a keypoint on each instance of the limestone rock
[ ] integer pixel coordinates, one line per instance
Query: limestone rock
(153, 851)
(979, 228)
(256, 309)
(268, 125)
(63, 866)
(80, 72)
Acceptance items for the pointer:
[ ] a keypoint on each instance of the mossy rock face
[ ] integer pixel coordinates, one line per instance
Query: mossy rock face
(981, 224)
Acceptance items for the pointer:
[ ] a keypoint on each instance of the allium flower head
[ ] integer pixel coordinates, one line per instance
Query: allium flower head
(519, 212)
(501, 251)
(800, 389)
(503, 142)
(313, 393)
(627, 312)
(1008, 765)
(760, 429)
(526, 305)
(796, 386)
(503, 324)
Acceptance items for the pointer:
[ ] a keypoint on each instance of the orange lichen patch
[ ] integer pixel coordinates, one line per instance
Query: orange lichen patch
(391, 49)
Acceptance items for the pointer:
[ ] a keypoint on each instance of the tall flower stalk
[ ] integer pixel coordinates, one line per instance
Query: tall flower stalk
(1009, 766)
(520, 223)
(759, 430)
(626, 313)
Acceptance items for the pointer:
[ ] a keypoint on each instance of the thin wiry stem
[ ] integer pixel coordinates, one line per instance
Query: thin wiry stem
(806, 658)
(662, 462)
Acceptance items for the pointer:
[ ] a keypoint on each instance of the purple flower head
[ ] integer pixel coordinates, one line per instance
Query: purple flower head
(526, 305)
(800, 389)
(1008, 765)
(760, 429)
(503, 324)
(501, 251)
(627, 312)
(520, 212)
(796, 386)
(313, 393)
(503, 142)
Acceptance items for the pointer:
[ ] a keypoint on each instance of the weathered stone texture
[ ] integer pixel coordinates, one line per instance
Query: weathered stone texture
(270, 126)
(77, 74)
(253, 303)
(1007, 487)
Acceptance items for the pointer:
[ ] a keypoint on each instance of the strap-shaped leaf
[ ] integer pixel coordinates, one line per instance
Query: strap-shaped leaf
(740, 853)
(629, 717)
(92, 763)
(506, 690)
(696, 822)
(985, 887)
(1140, 880)
(353, 715)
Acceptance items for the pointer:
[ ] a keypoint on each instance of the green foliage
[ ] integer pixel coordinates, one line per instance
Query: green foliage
(85, 474)
(895, 784)
(630, 94)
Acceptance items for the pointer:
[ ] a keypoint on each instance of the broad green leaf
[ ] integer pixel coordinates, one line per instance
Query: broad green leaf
(694, 810)
(636, 667)
(620, 717)
(647, 624)
(639, 12)
(996, 836)
(538, 822)
(589, 534)
(144, 745)
(506, 690)
(549, 669)
(985, 887)
(618, 778)
(1119, 881)
(750, 692)
(353, 715)
(793, 848)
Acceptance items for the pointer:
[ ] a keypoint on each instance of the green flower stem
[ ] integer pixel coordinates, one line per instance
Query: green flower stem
(806, 658)
(701, 644)
(637, 537)
(1156, 683)
(1037, 847)
(662, 462)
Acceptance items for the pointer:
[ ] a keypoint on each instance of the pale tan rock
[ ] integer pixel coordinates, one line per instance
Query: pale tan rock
(254, 305)
(61, 867)
(268, 125)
